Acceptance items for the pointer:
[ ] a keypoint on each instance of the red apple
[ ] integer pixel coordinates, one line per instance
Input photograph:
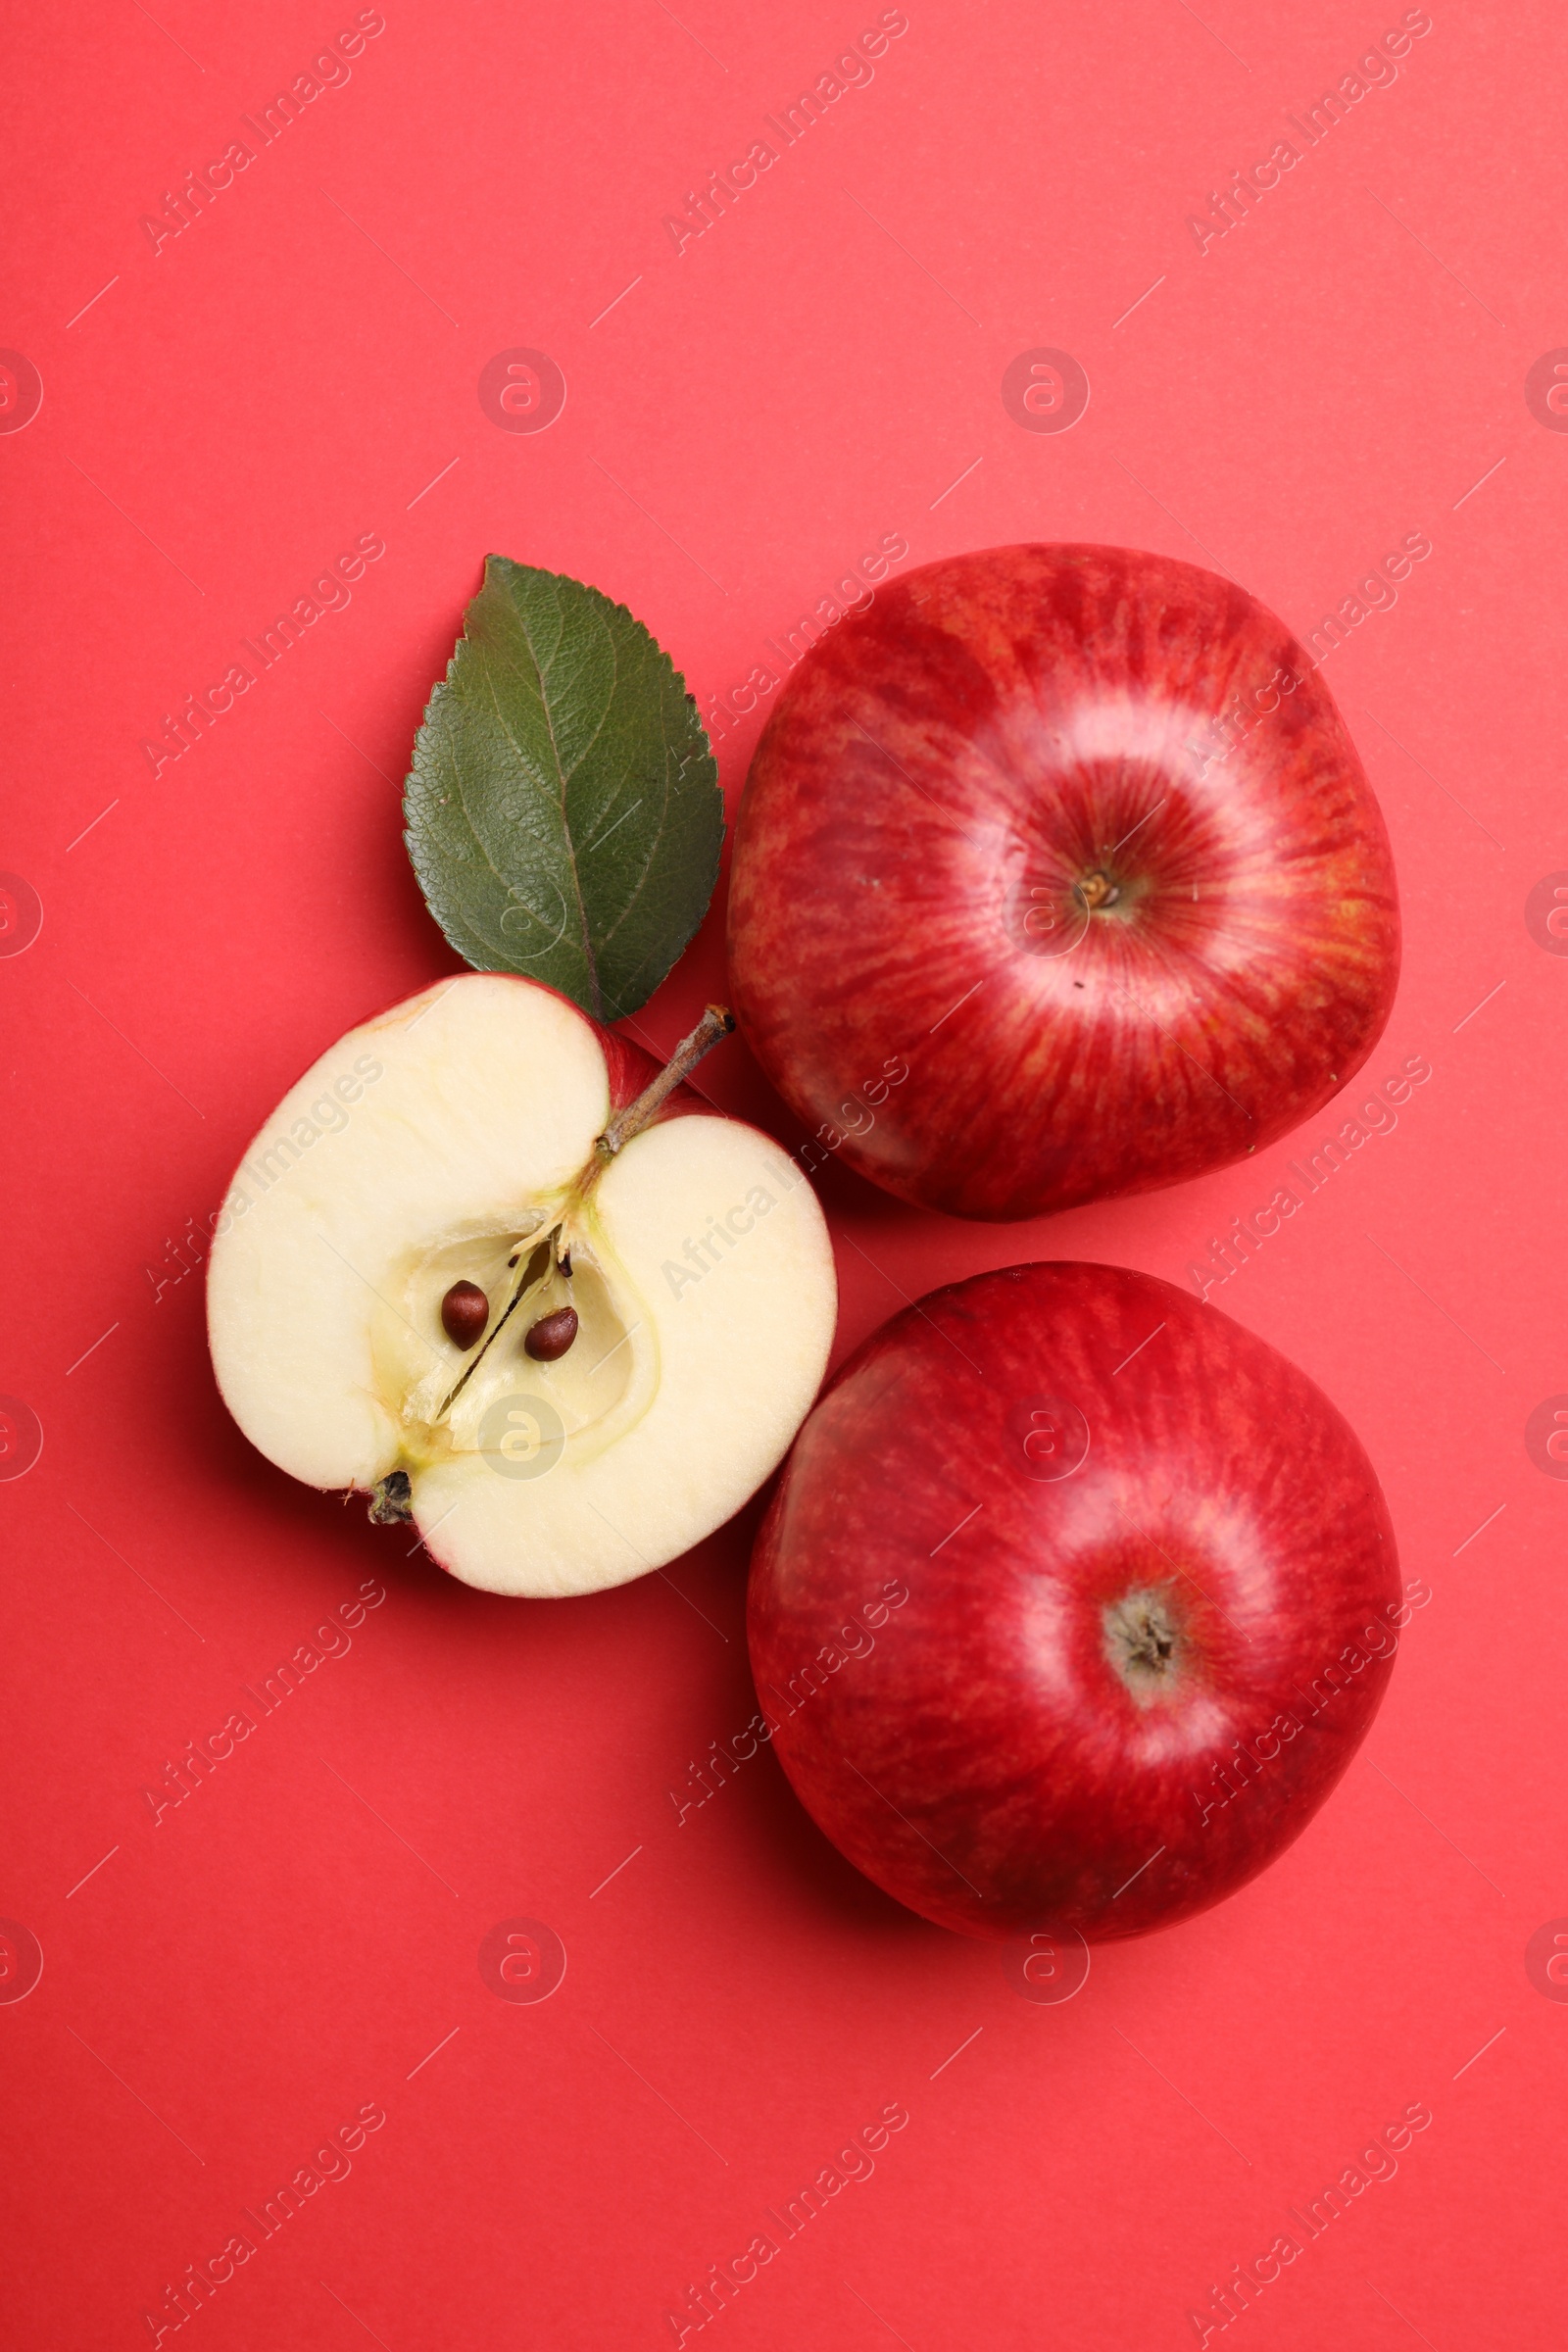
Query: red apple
(1056, 875)
(1074, 1601)
(456, 1272)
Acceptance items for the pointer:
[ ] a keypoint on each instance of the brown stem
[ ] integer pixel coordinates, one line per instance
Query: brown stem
(717, 1022)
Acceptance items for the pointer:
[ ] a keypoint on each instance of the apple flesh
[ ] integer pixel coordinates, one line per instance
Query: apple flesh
(1074, 1601)
(678, 1291)
(1078, 835)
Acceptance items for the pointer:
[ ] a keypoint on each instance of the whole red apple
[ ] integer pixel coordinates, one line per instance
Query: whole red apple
(1073, 1603)
(1056, 874)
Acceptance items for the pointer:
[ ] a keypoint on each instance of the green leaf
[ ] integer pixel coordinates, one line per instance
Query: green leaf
(564, 812)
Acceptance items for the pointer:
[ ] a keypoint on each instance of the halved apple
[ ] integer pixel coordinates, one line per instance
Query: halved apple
(670, 1266)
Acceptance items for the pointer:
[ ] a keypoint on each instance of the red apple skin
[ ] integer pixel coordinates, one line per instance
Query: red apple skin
(977, 1749)
(943, 774)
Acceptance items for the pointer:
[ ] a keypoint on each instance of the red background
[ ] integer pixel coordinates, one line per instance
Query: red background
(813, 372)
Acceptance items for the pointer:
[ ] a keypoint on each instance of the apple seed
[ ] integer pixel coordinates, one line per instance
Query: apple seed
(464, 1312)
(549, 1339)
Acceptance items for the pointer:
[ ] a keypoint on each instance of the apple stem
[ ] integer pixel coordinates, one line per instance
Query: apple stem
(717, 1022)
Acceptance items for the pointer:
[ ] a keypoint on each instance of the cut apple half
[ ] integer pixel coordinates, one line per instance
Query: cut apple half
(477, 1266)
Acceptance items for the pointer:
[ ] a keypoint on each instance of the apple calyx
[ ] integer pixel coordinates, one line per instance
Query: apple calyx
(1097, 889)
(1142, 1642)
(390, 1504)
